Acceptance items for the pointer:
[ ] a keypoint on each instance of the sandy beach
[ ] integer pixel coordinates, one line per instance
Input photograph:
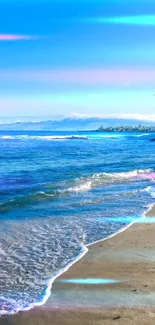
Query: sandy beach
(128, 261)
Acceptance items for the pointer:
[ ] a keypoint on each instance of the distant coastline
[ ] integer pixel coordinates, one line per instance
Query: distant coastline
(139, 128)
(79, 124)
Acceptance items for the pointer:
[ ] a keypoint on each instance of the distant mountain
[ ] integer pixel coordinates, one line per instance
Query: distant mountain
(73, 124)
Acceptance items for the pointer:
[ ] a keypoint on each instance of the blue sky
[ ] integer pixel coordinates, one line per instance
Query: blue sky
(86, 57)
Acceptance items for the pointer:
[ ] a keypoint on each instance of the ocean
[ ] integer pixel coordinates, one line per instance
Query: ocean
(59, 192)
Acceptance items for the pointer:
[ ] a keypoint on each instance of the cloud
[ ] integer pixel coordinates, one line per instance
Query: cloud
(143, 20)
(138, 117)
(14, 37)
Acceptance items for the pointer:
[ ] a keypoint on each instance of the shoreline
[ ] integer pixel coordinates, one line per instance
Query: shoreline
(59, 286)
(76, 260)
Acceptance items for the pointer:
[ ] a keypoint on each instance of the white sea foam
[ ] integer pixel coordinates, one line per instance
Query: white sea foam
(141, 135)
(43, 193)
(123, 175)
(101, 179)
(61, 137)
(151, 191)
(45, 137)
(6, 137)
(49, 284)
(81, 187)
(69, 137)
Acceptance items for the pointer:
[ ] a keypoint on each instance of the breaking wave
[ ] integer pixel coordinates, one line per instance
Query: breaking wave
(100, 179)
(151, 191)
(45, 137)
(83, 184)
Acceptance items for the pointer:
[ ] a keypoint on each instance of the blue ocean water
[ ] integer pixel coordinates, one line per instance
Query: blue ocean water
(59, 192)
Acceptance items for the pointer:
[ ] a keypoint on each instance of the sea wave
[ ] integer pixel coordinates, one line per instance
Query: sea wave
(141, 135)
(114, 135)
(45, 137)
(83, 187)
(83, 184)
(151, 191)
(100, 179)
(41, 234)
(6, 137)
(91, 136)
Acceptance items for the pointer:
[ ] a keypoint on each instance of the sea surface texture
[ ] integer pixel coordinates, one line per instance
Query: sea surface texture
(59, 192)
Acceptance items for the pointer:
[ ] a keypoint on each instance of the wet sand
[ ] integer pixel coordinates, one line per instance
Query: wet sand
(128, 258)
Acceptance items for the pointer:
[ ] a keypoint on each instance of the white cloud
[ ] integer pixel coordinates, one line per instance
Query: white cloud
(142, 117)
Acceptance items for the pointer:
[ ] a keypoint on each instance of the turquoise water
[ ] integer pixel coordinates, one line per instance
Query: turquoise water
(59, 192)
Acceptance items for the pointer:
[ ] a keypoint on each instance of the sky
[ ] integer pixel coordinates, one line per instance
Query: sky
(77, 58)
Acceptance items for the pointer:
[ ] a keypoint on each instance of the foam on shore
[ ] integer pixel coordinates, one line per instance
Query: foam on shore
(84, 250)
